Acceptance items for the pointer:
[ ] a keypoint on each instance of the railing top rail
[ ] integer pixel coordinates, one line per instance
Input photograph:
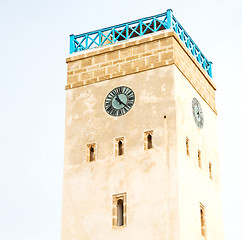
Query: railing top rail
(120, 25)
(136, 28)
(185, 32)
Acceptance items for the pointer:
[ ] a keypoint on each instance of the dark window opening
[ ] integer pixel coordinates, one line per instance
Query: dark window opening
(149, 141)
(92, 155)
(120, 206)
(187, 147)
(210, 170)
(120, 148)
(199, 159)
(203, 224)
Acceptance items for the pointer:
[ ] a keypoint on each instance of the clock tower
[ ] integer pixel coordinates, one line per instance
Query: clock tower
(141, 158)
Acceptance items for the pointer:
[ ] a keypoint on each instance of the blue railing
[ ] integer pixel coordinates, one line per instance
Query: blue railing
(191, 45)
(138, 28)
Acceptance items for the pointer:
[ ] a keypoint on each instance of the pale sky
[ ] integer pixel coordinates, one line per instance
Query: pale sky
(34, 44)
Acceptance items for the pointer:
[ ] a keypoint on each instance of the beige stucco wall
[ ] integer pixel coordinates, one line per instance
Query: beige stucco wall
(195, 185)
(148, 177)
(164, 187)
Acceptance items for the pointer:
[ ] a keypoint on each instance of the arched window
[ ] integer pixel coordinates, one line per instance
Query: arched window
(92, 154)
(120, 147)
(199, 159)
(203, 223)
(119, 210)
(187, 147)
(210, 170)
(149, 141)
(120, 206)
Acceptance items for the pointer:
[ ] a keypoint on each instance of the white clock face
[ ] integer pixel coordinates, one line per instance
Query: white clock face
(197, 113)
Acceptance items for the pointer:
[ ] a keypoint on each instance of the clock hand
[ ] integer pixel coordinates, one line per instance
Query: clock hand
(125, 105)
(120, 101)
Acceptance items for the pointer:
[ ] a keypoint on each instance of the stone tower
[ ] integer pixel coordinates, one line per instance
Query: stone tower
(141, 159)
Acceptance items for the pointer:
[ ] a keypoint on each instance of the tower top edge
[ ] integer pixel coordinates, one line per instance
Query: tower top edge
(137, 29)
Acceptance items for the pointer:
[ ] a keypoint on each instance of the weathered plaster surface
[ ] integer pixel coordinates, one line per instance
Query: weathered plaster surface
(195, 185)
(163, 186)
(148, 177)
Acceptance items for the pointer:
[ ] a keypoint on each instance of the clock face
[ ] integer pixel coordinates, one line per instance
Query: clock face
(197, 113)
(119, 101)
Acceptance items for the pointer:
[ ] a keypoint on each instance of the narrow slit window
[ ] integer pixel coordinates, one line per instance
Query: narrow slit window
(91, 152)
(187, 147)
(199, 159)
(119, 146)
(148, 140)
(210, 170)
(203, 220)
(120, 207)
(119, 210)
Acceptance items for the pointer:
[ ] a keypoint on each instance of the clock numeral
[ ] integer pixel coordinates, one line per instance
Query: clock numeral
(123, 89)
(109, 108)
(108, 104)
(109, 98)
(131, 98)
(112, 111)
(112, 94)
(122, 111)
(126, 90)
(130, 104)
(130, 94)
(119, 112)
(119, 90)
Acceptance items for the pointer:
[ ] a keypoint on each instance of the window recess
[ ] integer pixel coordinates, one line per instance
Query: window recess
(187, 147)
(148, 140)
(119, 210)
(91, 152)
(203, 220)
(119, 146)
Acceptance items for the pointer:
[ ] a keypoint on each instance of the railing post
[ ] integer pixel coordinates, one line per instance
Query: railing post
(154, 20)
(127, 31)
(72, 44)
(86, 41)
(210, 70)
(99, 38)
(169, 18)
(141, 32)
